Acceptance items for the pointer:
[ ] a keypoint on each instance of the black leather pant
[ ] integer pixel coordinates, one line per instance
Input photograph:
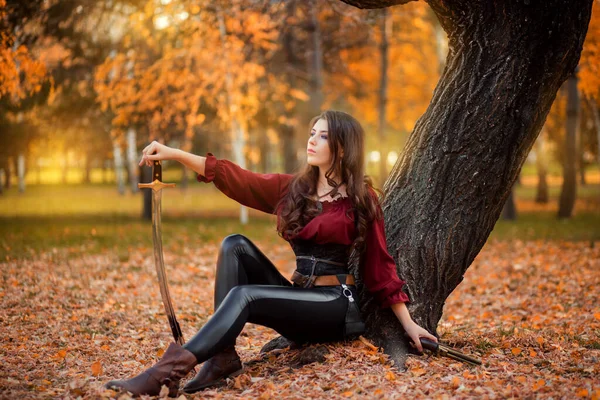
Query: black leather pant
(249, 288)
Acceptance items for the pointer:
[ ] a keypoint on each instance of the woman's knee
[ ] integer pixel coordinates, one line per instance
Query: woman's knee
(233, 242)
(239, 295)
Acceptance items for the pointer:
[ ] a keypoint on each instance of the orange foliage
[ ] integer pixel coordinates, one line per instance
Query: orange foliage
(192, 62)
(589, 63)
(412, 75)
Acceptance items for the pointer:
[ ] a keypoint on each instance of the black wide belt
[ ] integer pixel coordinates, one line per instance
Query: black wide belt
(311, 280)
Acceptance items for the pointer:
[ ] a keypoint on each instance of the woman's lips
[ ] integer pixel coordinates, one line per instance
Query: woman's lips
(309, 151)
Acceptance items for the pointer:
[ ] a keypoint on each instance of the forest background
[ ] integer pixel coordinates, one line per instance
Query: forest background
(84, 87)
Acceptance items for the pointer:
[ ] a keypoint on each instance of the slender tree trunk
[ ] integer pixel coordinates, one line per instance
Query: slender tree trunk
(8, 172)
(568, 192)
(118, 164)
(88, 169)
(542, 169)
(132, 162)
(315, 60)
(145, 174)
(265, 153)
(239, 143)
(105, 170)
(237, 127)
(385, 28)
(593, 106)
(505, 63)
(288, 143)
(21, 172)
(287, 130)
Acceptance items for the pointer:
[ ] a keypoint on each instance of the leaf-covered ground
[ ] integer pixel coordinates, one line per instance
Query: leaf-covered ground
(70, 322)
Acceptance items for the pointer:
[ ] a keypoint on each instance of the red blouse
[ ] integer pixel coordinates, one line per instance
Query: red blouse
(263, 192)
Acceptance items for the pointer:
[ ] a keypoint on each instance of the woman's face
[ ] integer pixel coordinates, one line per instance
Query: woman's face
(318, 153)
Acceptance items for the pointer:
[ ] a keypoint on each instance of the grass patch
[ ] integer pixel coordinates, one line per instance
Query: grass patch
(70, 236)
(77, 219)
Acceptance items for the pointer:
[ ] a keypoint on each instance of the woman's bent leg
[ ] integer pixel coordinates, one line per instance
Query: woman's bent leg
(302, 315)
(240, 262)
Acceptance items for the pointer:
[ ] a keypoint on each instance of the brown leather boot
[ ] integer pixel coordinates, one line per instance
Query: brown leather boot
(174, 365)
(214, 371)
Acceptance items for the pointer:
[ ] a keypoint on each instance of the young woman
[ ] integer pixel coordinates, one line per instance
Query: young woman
(325, 211)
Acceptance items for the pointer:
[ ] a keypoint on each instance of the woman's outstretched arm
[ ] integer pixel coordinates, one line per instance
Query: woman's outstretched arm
(157, 151)
(255, 190)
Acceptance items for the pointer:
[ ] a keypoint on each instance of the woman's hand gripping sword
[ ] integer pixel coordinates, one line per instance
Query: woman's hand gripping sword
(446, 351)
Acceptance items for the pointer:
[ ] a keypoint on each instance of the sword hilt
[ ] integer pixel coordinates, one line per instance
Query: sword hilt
(157, 183)
(448, 351)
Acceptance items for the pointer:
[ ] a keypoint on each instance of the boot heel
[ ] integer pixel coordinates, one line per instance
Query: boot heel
(213, 373)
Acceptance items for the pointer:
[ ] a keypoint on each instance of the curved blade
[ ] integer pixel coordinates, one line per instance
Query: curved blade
(160, 266)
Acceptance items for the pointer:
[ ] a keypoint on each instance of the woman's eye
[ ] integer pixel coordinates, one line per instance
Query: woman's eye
(324, 137)
(312, 133)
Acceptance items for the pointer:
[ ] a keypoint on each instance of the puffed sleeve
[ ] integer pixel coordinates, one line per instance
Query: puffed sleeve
(258, 191)
(379, 269)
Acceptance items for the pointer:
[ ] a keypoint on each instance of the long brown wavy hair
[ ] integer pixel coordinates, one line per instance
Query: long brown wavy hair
(299, 206)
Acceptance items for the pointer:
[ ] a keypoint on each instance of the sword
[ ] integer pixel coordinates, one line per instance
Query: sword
(157, 185)
(443, 350)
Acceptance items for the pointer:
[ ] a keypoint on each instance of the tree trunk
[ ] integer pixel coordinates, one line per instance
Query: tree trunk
(118, 164)
(568, 193)
(385, 28)
(288, 143)
(265, 152)
(146, 176)
(8, 173)
(238, 145)
(287, 130)
(236, 125)
(505, 63)
(105, 170)
(509, 211)
(132, 164)
(542, 169)
(88, 169)
(21, 172)
(315, 60)
(593, 106)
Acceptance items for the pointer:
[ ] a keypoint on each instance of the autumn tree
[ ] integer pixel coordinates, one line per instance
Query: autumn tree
(24, 84)
(505, 63)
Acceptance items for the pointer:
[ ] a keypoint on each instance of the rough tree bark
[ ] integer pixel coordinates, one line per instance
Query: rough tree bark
(505, 63)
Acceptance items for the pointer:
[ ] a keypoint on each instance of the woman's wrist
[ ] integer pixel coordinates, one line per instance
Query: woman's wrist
(178, 155)
(401, 312)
